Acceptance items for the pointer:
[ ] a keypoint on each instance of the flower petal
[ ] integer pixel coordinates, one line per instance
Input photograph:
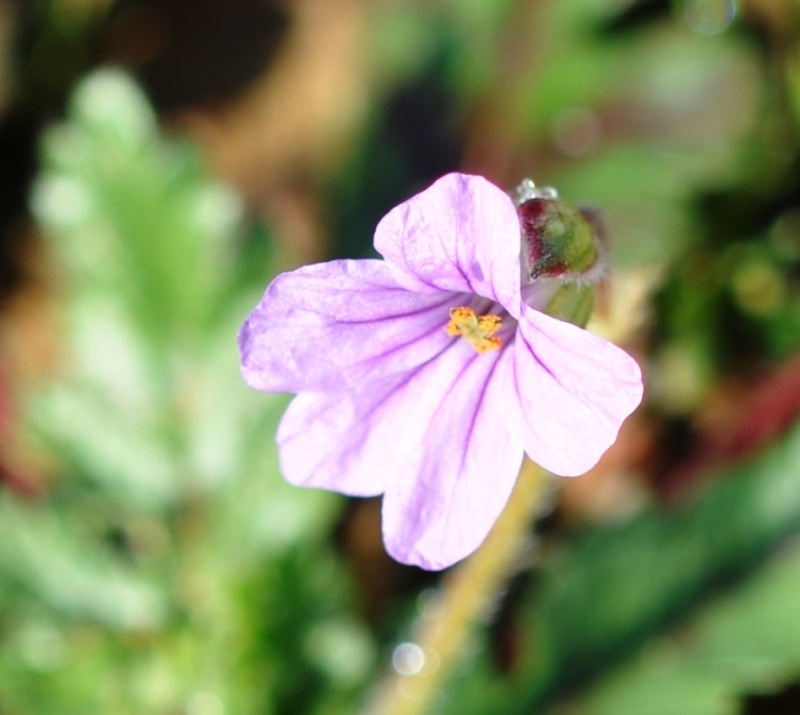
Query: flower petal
(462, 234)
(464, 470)
(339, 324)
(332, 440)
(575, 389)
(433, 439)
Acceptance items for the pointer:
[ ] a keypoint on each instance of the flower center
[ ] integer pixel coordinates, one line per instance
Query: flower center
(478, 330)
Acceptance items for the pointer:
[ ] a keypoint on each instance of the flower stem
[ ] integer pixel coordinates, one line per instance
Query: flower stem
(467, 596)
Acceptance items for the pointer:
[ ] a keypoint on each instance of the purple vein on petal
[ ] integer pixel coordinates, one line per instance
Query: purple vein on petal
(394, 316)
(473, 418)
(582, 396)
(539, 362)
(400, 346)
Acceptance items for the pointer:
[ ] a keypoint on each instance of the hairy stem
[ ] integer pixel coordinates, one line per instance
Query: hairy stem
(467, 596)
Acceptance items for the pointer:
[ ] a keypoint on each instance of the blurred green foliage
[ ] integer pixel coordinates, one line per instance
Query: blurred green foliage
(164, 567)
(596, 599)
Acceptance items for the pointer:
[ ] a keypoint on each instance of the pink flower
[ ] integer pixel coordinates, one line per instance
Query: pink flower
(425, 376)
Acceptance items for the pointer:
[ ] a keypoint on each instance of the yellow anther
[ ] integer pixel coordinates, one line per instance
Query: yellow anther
(478, 330)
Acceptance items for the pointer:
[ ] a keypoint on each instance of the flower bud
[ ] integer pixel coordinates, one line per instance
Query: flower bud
(560, 241)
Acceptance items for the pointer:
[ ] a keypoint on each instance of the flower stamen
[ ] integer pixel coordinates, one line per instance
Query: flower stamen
(478, 330)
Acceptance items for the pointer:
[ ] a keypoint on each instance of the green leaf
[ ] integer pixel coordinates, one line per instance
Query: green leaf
(747, 642)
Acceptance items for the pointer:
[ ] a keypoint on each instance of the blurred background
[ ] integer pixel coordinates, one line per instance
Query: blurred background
(162, 160)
